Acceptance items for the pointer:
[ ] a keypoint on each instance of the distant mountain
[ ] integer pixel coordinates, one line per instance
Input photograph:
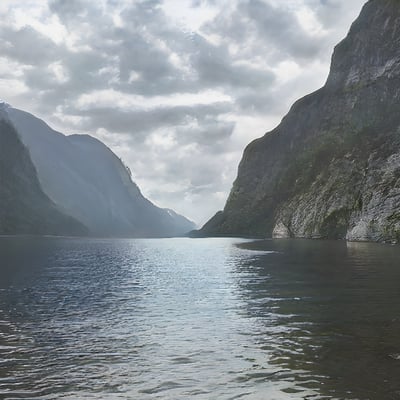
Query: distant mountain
(90, 183)
(331, 169)
(24, 208)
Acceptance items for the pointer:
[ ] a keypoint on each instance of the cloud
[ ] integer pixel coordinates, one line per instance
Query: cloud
(273, 30)
(175, 88)
(140, 123)
(27, 46)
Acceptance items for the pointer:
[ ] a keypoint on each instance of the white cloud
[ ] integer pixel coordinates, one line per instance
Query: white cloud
(113, 98)
(177, 89)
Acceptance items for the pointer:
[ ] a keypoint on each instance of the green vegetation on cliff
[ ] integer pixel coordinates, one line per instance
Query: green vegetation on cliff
(331, 169)
(24, 208)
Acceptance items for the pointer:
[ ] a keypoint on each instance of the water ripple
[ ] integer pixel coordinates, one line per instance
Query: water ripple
(181, 318)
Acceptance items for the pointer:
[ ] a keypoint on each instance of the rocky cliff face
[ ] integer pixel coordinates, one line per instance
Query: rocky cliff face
(331, 169)
(24, 208)
(86, 180)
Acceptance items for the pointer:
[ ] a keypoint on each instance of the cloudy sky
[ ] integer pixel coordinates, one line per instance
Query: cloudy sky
(177, 88)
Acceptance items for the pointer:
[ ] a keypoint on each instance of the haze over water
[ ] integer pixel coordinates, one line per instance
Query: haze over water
(198, 318)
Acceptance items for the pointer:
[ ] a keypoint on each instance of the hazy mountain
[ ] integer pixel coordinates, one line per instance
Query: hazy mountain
(332, 167)
(89, 182)
(24, 208)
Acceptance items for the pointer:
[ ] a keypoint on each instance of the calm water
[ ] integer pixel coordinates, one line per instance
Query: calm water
(202, 319)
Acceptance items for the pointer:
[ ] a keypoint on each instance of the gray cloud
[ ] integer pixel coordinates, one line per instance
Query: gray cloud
(139, 123)
(274, 31)
(75, 13)
(27, 46)
(184, 156)
(208, 133)
(282, 29)
(344, 12)
(215, 66)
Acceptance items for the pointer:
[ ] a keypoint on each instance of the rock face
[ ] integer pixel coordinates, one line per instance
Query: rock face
(86, 180)
(331, 169)
(24, 208)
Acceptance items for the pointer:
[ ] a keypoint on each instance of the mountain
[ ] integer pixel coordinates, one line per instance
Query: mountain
(24, 208)
(331, 169)
(90, 183)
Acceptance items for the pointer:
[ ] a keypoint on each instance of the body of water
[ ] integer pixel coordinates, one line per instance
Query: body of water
(198, 318)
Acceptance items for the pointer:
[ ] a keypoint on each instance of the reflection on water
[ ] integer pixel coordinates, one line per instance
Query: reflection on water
(337, 308)
(204, 318)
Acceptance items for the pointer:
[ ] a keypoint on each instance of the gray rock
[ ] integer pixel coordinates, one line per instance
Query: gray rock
(24, 207)
(331, 169)
(87, 181)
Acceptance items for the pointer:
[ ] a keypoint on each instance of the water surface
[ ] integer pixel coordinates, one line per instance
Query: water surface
(198, 318)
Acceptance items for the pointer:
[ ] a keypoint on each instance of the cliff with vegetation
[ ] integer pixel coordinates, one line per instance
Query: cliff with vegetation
(25, 208)
(331, 169)
(82, 177)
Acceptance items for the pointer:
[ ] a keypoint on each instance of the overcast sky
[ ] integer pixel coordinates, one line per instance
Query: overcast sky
(176, 88)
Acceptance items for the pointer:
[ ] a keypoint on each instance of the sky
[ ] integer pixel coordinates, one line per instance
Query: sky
(177, 89)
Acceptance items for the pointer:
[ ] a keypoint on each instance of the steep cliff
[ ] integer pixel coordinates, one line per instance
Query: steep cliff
(24, 208)
(331, 169)
(86, 180)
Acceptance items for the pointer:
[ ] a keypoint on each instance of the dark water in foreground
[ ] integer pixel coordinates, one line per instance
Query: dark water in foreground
(202, 319)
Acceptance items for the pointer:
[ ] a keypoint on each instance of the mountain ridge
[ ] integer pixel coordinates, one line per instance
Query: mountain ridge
(25, 208)
(89, 182)
(331, 168)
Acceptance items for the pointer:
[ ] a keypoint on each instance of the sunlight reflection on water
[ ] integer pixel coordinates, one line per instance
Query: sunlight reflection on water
(183, 318)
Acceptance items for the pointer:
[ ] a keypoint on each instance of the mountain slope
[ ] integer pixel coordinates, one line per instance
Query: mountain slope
(24, 208)
(89, 182)
(332, 167)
